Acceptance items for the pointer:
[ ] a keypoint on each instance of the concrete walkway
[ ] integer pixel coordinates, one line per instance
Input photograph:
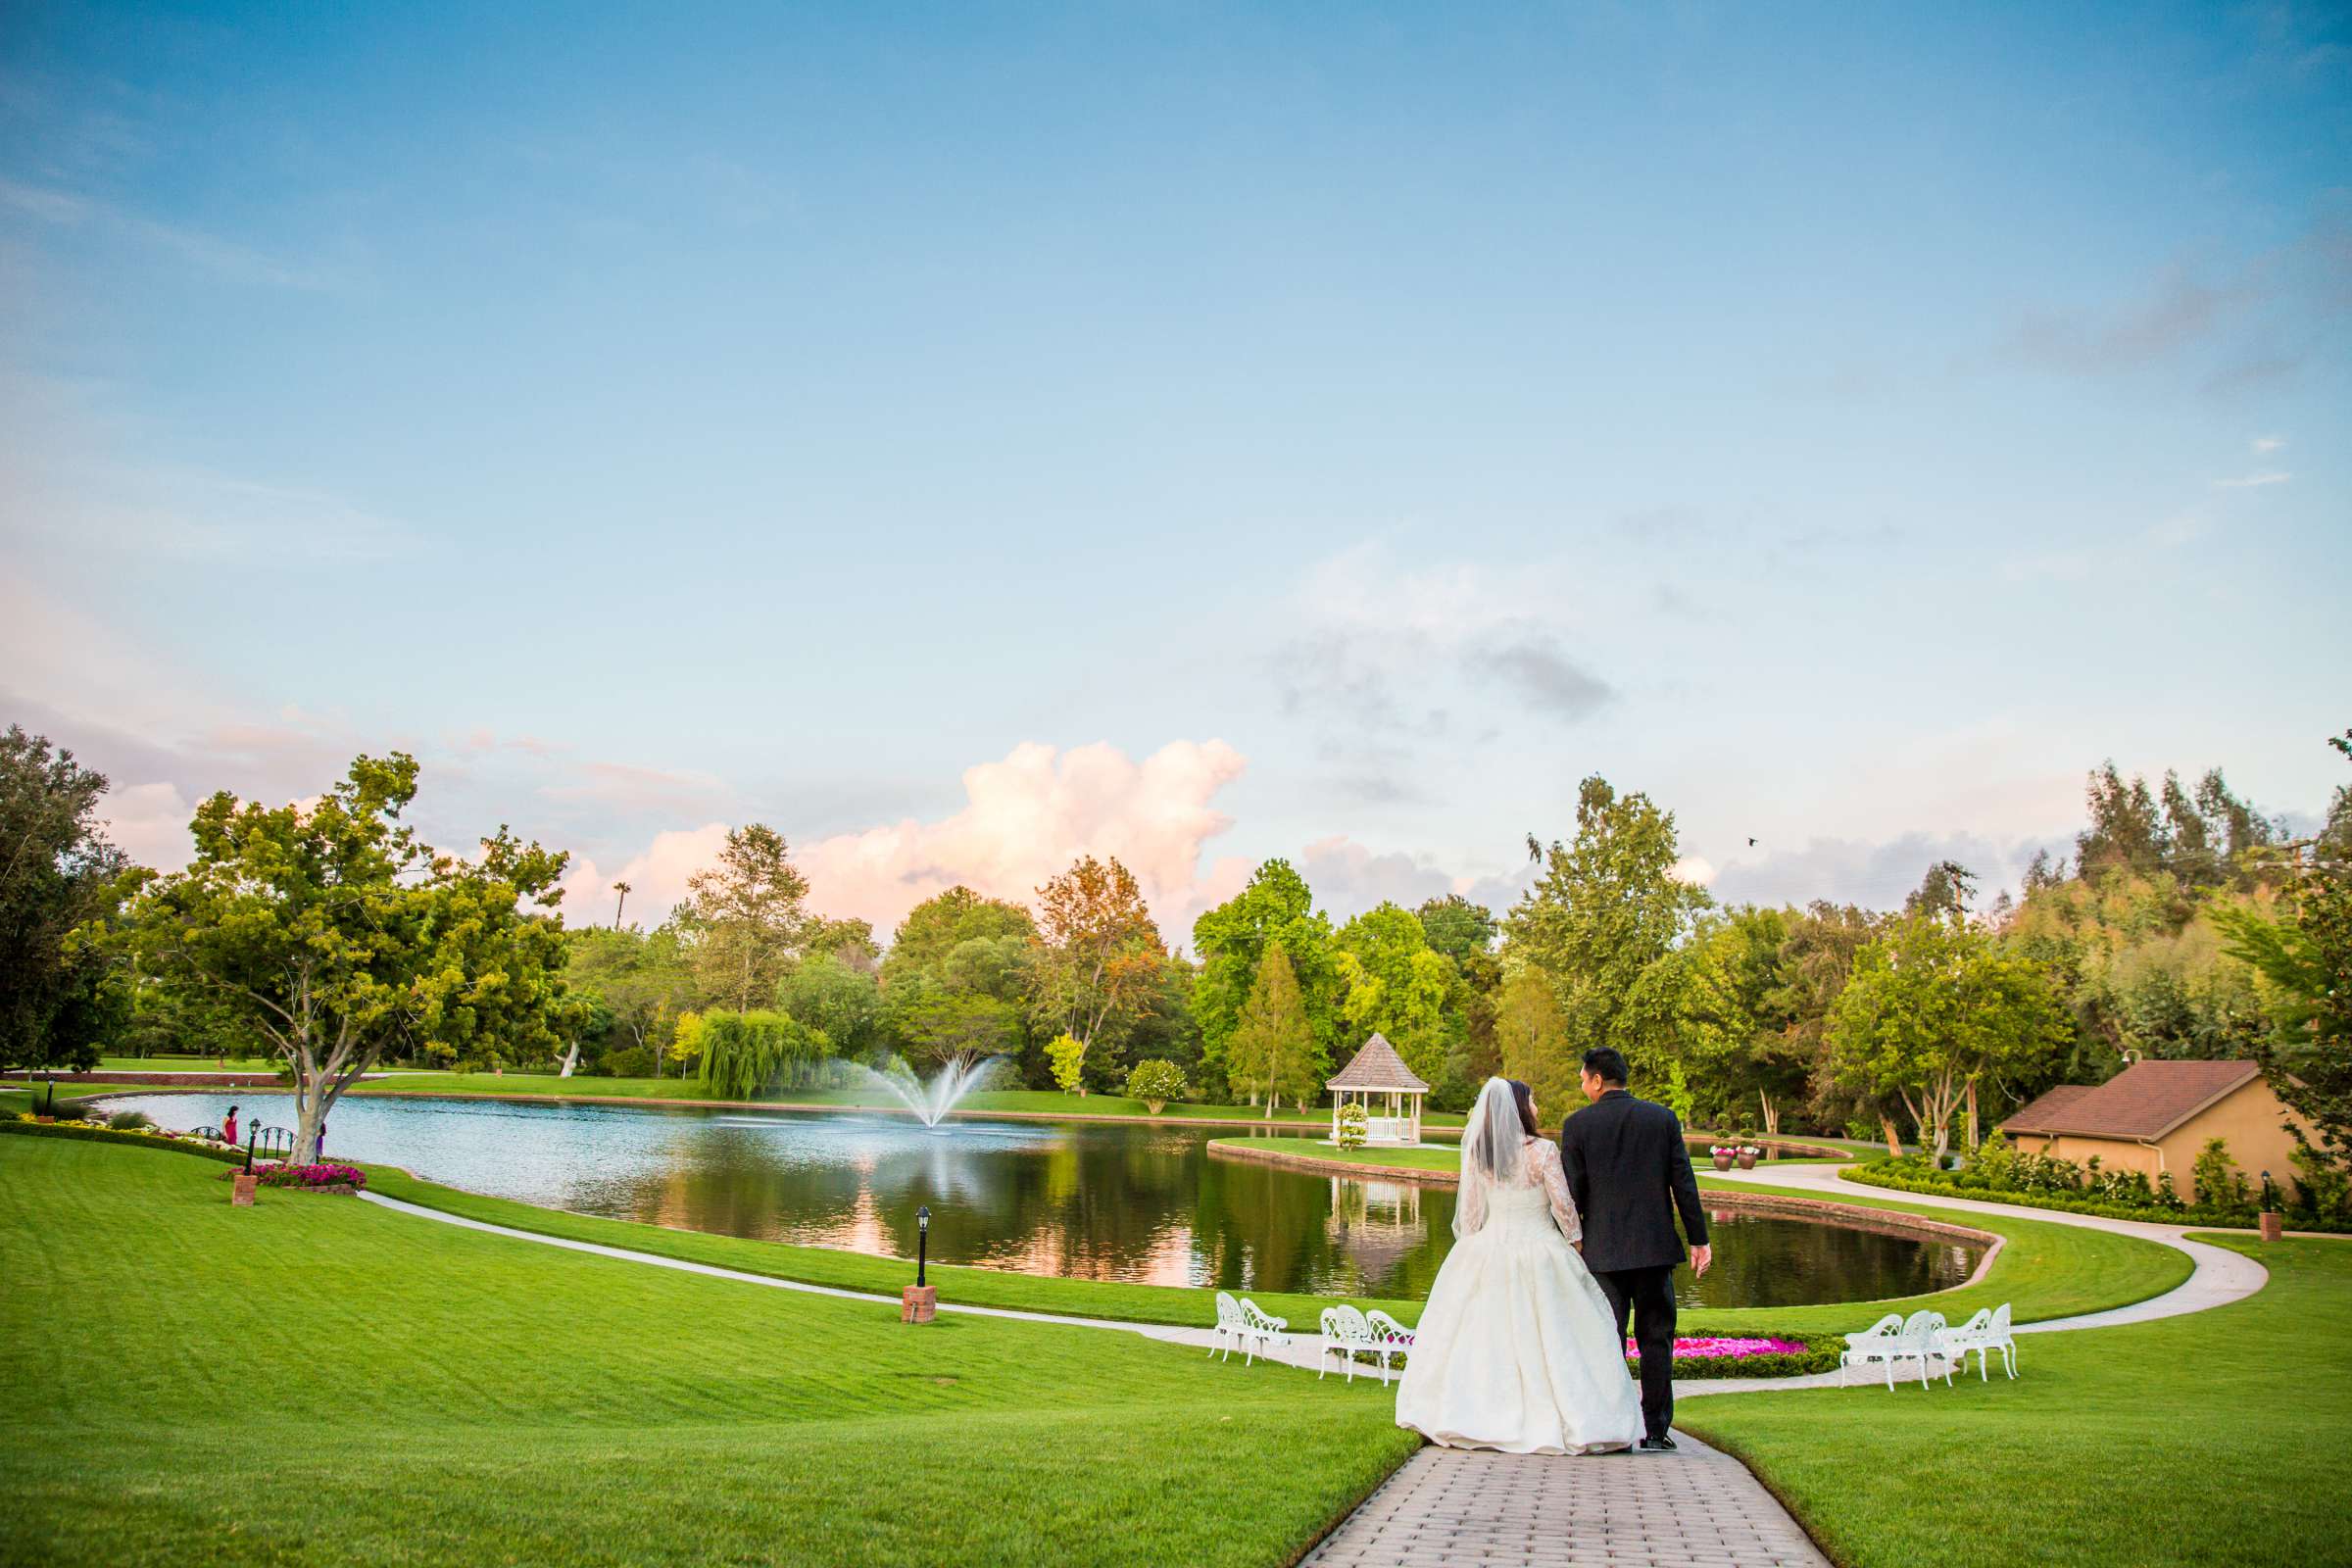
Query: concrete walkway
(1692, 1509)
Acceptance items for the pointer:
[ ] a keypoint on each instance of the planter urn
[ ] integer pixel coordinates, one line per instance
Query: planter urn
(2273, 1223)
(242, 1190)
(918, 1303)
(1723, 1163)
(1747, 1162)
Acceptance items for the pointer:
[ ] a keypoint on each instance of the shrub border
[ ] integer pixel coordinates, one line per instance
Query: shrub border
(108, 1134)
(2194, 1218)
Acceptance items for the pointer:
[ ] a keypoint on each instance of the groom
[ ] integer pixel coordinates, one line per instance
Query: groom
(1629, 1172)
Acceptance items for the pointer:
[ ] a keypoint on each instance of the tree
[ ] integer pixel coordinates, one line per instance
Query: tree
(336, 935)
(1232, 941)
(1735, 1014)
(643, 978)
(2305, 963)
(744, 1054)
(1459, 928)
(1394, 983)
(1272, 1050)
(1096, 960)
(57, 873)
(1532, 1035)
(745, 916)
(1067, 1053)
(825, 992)
(1607, 908)
(953, 978)
(1932, 1008)
(1944, 892)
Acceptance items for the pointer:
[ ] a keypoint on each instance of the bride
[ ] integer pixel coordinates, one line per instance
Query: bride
(1517, 1349)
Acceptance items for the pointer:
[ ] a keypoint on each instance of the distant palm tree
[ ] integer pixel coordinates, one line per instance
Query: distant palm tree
(621, 888)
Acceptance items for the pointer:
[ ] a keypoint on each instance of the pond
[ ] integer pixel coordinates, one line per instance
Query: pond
(1087, 1200)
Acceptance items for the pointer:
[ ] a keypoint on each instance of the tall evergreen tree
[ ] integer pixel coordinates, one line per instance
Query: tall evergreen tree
(1272, 1049)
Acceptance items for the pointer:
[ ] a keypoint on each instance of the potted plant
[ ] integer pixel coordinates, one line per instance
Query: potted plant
(1723, 1155)
(2271, 1219)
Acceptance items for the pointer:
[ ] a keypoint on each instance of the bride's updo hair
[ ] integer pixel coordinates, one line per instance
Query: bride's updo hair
(1525, 1099)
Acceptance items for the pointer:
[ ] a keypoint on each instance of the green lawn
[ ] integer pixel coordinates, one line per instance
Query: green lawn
(320, 1381)
(2046, 1270)
(2221, 1438)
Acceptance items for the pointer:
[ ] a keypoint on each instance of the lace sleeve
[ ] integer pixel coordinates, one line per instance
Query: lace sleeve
(1469, 1205)
(1547, 1156)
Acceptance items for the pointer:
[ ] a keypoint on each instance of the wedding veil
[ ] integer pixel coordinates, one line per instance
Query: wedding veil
(1493, 1153)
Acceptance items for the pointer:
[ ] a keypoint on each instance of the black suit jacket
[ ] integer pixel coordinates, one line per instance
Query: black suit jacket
(1629, 1171)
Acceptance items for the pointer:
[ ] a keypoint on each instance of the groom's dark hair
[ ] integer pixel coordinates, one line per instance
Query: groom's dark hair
(1607, 1063)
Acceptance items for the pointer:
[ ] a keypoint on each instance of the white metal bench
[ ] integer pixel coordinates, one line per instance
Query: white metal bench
(1241, 1325)
(1986, 1332)
(1917, 1338)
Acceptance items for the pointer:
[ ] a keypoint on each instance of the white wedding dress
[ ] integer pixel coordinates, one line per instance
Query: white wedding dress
(1517, 1349)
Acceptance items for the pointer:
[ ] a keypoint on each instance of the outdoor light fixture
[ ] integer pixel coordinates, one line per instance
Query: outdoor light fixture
(919, 1301)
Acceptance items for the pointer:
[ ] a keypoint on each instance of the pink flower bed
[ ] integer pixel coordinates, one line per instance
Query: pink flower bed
(1730, 1348)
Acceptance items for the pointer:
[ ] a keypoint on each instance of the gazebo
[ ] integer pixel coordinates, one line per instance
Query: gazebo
(1379, 1076)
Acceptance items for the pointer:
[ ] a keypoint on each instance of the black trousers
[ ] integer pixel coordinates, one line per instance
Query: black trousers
(1648, 1295)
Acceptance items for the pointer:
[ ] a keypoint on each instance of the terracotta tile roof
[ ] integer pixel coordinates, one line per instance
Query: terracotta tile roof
(2147, 1100)
(1378, 1066)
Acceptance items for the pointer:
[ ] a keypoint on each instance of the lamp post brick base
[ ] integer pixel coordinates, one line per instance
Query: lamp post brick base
(2273, 1225)
(918, 1303)
(241, 1190)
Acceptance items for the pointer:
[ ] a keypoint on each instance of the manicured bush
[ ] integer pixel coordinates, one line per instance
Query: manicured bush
(329, 1176)
(636, 1061)
(1068, 1060)
(1154, 1083)
(1910, 1174)
(149, 1139)
(126, 1120)
(1355, 1125)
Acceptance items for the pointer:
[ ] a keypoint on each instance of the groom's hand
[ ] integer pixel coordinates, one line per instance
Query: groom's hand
(1700, 1256)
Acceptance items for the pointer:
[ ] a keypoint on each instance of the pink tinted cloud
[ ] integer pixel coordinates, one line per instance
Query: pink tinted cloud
(1028, 817)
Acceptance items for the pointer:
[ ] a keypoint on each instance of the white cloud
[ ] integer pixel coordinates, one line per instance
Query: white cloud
(2253, 480)
(2264, 444)
(1028, 817)
(150, 823)
(1695, 869)
(656, 878)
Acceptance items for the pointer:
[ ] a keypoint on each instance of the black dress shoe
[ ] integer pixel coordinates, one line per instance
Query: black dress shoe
(1658, 1446)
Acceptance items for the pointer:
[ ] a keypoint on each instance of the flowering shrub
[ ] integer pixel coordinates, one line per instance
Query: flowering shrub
(311, 1177)
(1719, 1357)
(1355, 1125)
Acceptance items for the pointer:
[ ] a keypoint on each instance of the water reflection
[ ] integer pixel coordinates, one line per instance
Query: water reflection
(1085, 1201)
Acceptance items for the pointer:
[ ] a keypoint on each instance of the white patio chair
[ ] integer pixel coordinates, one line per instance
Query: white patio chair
(1986, 1332)
(1870, 1345)
(1344, 1331)
(1232, 1331)
(1260, 1332)
(1390, 1338)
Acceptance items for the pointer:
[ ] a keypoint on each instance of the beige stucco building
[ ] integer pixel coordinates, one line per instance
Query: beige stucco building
(2154, 1117)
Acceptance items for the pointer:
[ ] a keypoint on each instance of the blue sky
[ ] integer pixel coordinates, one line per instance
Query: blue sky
(1330, 432)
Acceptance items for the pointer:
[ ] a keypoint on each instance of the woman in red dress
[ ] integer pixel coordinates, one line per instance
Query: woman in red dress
(228, 1127)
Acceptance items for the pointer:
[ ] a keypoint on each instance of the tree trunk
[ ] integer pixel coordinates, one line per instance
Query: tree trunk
(1895, 1142)
(1971, 1116)
(1772, 1113)
(570, 1057)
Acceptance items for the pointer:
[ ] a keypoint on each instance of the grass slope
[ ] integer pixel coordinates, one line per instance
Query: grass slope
(2046, 1270)
(2220, 1437)
(314, 1380)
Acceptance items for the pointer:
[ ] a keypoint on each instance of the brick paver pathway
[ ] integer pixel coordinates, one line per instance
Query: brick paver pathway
(1696, 1508)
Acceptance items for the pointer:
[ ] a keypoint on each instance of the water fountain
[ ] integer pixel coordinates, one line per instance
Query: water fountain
(931, 1101)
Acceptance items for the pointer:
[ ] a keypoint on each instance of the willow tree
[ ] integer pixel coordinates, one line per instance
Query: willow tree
(335, 934)
(744, 1054)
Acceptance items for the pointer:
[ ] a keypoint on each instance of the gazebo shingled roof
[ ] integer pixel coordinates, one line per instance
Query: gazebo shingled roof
(1377, 1067)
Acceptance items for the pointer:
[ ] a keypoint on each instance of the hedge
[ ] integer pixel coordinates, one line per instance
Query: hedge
(2199, 1218)
(106, 1135)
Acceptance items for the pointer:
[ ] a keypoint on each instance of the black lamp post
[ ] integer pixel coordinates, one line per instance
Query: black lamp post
(252, 1130)
(923, 1242)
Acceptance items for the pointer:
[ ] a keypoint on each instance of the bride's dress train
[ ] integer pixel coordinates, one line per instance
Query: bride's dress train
(1517, 1349)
